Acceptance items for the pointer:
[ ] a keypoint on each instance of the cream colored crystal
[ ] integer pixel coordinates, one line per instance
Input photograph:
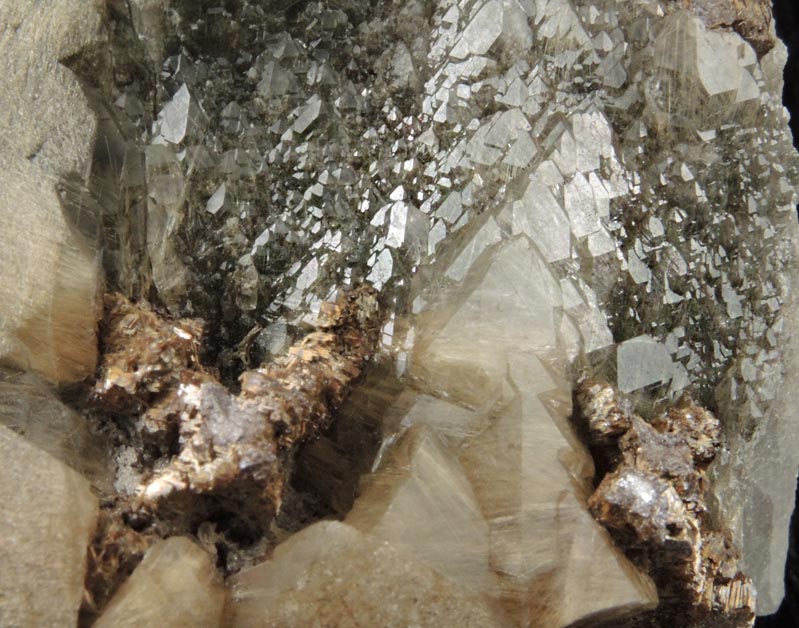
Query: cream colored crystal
(421, 502)
(451, 422)
(511, 310)
(48, 516)
(494, 347)
(49, 279)
(332, 575)
(175, 586)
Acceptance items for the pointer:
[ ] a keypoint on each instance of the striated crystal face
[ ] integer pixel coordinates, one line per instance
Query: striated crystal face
(421, 501)
(331, 574)
(50, 270)
(30, 408)
(498, 352)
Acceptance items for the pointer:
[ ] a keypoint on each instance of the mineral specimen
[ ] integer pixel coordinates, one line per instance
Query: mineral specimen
(31, 408)
(48, 517)
(237, 448)
(50, 283)
(176, 585)
(537, 189)
(654, 499)
(332, 575)
(641, 146)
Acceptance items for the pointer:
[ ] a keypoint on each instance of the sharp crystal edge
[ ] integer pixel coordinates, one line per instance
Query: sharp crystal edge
(535, 186)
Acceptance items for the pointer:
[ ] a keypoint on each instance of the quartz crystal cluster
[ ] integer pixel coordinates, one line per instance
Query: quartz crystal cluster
(536, 189)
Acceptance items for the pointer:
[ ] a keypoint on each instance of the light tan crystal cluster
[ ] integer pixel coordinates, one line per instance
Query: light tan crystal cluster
(484, 481)
(48, 517)
(50, 271)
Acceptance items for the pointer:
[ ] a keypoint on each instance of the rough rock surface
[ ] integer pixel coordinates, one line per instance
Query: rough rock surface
(48, 517)
(235, 448)
(114, 552)
(48, 297)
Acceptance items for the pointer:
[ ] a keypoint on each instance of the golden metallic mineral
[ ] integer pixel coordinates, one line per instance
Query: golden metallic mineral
(653, 500)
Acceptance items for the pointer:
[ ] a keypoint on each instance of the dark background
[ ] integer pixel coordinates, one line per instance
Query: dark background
(786, 16)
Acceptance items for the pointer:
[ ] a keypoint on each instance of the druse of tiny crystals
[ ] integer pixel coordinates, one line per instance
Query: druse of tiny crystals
(642, 157)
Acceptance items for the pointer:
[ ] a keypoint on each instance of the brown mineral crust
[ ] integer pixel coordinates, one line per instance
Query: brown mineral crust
(647, 517)
(145, 358)
(238, 449)
(604, 415)
(114, 552)
(751, 19)
(653, 502)
(665, 455)
(608, 413)
(697, 426)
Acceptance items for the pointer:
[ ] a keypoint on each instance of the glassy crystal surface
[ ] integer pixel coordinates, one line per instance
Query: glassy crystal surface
(496, 350)
(175, 585)
(331, 574)
(30, 408)
(50, 279)
(421, 502)
(550, 179)
(539, 190)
